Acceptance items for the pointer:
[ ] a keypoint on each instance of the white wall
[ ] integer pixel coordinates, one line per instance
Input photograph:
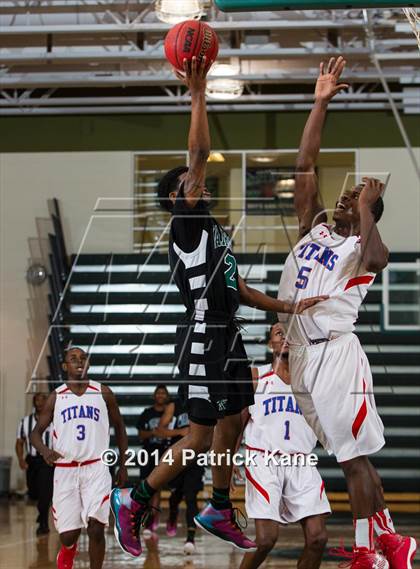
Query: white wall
(400, 226)
(26, 182)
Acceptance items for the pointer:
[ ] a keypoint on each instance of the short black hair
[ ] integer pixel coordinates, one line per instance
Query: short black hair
(161, 386)
(378, 209)
(71, 349)
(167, 185)
(38, 394)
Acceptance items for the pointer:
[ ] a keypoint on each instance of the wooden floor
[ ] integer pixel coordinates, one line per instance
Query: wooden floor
(20, 549)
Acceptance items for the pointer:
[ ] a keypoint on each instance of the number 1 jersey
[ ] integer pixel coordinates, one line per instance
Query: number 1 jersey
(276, 422)
(80, 423)
(324, 263)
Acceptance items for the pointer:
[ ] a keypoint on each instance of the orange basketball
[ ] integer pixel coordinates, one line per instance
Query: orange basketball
(189, 39)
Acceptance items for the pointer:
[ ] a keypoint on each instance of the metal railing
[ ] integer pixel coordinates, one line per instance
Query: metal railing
(57, 279)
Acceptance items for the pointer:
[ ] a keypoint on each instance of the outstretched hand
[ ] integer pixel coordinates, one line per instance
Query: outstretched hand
(328, 84)
(195, 74)
(303, 305)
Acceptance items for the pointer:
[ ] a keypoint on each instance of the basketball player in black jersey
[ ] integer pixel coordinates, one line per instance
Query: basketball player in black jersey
(215, 377)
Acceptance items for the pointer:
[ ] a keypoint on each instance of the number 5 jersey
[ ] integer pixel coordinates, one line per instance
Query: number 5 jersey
(324, 263)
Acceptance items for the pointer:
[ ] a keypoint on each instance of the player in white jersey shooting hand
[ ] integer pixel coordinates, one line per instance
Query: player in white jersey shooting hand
(277, 494)
(330, 372)
(81, 411)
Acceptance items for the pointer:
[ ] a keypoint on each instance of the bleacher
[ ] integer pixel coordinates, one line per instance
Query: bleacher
(124, 309)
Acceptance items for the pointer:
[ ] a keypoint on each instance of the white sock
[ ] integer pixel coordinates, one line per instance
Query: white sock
(382, 522)
(364, 533)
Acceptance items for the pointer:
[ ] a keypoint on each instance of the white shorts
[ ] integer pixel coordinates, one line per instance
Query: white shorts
(80, 493)
(285, 494)
(332, 383)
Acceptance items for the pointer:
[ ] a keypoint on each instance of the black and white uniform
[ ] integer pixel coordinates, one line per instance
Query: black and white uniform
(213, 366)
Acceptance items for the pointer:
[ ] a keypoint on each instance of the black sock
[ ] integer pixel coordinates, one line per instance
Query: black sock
(142, 493)
(191, 535)
(220, 499)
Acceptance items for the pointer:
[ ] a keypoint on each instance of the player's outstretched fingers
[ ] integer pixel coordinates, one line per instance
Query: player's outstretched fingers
(339, 66)
(331, 65)
(322, 68)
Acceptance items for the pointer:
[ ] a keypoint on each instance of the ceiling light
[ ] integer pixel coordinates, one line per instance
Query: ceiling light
(224, 87)
(263, 159)
(216, 157)
(175, 11)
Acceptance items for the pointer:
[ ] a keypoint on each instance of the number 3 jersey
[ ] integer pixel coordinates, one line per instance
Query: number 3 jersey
(80, 423)
(276, 422)
(324, 263)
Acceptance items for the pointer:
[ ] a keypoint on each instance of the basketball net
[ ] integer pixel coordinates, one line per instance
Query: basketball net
(413, 16)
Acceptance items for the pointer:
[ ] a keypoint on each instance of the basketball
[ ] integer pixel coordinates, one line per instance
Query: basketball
(189, 39)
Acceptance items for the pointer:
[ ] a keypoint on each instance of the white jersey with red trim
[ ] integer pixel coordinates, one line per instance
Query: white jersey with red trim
(324, 263)
(276, 422)
(80, 423)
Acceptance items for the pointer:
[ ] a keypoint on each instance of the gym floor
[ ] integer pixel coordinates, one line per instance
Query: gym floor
(21, 549)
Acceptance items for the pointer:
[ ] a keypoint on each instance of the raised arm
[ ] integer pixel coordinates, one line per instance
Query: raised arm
(256, 299)
(307, 200)
(374, 253)
(45, 417)
(199, 136)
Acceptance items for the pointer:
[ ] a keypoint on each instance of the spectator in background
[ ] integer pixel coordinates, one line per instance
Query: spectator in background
(39, 476)
(147, 426)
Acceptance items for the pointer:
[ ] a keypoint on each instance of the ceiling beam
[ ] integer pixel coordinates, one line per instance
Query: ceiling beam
(80, 79)
(187, 109)
(220, 26)
(185, 99)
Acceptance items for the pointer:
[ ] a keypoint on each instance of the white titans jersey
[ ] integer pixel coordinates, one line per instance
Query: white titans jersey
(276, 422)
(81, 423)
(324, 263)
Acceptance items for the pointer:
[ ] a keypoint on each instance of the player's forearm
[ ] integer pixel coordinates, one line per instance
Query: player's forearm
(374, 253)
(256, 299)
(310, 143)
(199, 136)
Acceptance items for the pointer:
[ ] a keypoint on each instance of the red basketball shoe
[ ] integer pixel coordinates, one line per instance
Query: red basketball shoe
(361, 558)
(65, 557)
(398, 549)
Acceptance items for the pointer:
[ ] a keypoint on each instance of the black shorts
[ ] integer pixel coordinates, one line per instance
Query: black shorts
(189, 481)
(214, 371)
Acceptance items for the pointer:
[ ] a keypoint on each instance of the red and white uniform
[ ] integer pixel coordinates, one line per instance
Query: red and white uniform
(285, 494)
(332, 380)
(82, 482)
